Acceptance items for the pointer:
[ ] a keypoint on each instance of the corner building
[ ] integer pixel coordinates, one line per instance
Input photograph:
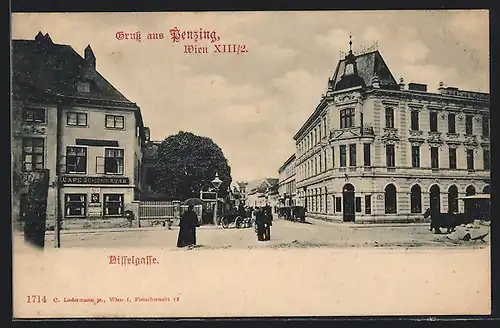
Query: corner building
(375, 150)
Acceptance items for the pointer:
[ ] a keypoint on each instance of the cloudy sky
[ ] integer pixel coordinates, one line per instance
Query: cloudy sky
(252, 104)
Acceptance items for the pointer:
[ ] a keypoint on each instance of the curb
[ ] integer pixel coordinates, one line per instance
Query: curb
(79, 231)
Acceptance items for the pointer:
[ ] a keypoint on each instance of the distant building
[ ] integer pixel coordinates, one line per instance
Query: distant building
(262, 192)
(287, 185)
(69, 119)
(376, 150)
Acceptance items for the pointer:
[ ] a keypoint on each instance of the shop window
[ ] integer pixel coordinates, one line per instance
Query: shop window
(75, 205)
(113, 204)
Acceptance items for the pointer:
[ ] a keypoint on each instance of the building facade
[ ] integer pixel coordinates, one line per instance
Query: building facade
(376, 150)
(286, 184)
(263, 192)
(69, 119)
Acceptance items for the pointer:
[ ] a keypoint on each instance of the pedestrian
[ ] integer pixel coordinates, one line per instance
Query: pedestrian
(268, 222)
(187, 228)
(260, 220)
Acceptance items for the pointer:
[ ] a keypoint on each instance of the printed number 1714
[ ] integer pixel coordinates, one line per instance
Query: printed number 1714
(36, 299)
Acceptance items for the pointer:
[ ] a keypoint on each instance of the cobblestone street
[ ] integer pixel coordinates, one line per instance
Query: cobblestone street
(284, 234)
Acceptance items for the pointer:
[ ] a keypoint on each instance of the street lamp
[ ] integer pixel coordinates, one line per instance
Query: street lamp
(216, 183)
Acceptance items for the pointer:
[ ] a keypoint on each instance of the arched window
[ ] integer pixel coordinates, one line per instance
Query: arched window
(470, 191)
(416, 199)
(453, 199)
(486, 189)
(435, 198)
(390, 199)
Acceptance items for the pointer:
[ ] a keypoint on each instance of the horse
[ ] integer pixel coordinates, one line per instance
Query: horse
(448, 221)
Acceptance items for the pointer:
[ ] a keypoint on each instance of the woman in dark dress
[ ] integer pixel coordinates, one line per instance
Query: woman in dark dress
(187, 231)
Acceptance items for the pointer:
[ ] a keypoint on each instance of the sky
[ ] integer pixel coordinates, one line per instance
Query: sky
(251, 104)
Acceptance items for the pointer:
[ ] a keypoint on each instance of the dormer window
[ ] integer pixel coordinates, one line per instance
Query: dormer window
(83, 87)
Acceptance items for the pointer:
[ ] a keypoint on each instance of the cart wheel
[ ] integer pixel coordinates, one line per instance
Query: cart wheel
(237, 222)
(224, 223)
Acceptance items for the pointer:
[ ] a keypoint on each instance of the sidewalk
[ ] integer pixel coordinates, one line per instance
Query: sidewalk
(319, 222)
(100, 230)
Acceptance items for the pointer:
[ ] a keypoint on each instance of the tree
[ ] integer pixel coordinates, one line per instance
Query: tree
(185, 164)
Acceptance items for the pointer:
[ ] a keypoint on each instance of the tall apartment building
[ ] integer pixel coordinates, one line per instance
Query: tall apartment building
(375, 150)
(287, 184)
(69, 119)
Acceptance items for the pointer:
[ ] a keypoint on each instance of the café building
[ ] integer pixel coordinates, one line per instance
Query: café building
(69, 119)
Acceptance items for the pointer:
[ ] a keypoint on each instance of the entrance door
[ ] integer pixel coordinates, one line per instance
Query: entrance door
(435, 199)
(348, 202)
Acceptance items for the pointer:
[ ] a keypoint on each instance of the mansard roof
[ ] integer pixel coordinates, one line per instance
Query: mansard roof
(368, 65)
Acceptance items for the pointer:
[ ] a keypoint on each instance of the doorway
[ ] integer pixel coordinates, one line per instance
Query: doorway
(348, 202)
(435, 194)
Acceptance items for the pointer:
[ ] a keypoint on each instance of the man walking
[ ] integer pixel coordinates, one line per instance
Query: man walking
(260, 221)
(268, 222)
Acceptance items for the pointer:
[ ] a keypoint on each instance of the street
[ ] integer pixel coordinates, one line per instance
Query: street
(284, 234)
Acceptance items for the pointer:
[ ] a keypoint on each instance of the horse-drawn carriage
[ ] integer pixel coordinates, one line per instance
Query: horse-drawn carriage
(236, 218)
(292, 213)
(477, 207)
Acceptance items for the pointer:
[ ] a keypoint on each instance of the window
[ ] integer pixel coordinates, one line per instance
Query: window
(33, 154)
(346, 118)
(333, 156)
(415, 156)
(113, 161)
(453, 199)
(470, 159)
(315, 165)
(390, 199)
(75, 204)
(115, 122)
(486, 159)
(76, 159)
(358, 204)
(414, 120)
(486, 126)
(338, 204)
(451, 123)
(416, 199)
(367, 154)
(113, 204)
(390, 156)
(368, 204)
(389, 117)
(34, 115)
(343, 159)
(76, 119)
(452, 153)
(83, 87)
(468, 124)
(434, 157)
(433, 121)
(352, 155)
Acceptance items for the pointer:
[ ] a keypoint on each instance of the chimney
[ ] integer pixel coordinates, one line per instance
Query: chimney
(417, 87)
(401, 83)
(375, 81)
(89, 57)
(441, 87)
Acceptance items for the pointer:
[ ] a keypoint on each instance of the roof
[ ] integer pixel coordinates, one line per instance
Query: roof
(286, 163)
(40, 66)
(368, 65)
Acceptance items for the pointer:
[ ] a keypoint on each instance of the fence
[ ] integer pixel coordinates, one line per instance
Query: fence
(158, 212)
